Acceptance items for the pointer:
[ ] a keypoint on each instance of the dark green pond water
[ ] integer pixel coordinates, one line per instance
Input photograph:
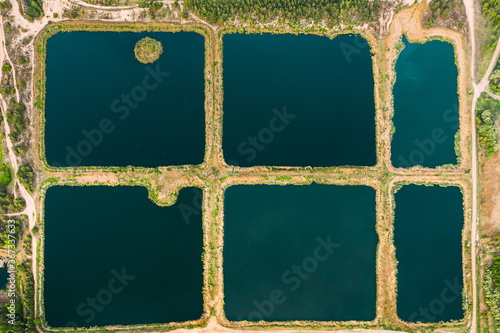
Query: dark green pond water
(105, 108)
(298, 101)
(427, 235)
(3, 277)
(299, 253)
(425, 105)
(112, 256)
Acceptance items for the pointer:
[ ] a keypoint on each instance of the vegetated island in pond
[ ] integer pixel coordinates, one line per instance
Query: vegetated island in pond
(148, 50)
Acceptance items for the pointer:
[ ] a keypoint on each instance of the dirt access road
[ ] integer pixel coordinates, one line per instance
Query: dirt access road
(478, 89)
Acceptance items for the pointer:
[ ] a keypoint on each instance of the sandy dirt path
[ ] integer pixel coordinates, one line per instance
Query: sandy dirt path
(107, 8)
(19, 20)
(492, 95)
(478, 89)
(214, 326)
(469, 8)
(483, 85)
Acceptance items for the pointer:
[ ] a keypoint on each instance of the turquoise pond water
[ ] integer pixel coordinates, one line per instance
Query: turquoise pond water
(299, 253)
(428, 239)
(105, 108)
(112, 256)
(299, 100)
(425, 105)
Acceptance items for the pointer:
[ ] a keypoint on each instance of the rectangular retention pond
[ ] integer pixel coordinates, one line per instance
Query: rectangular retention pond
(105, 108)
(425, 105)
(299, 253)
(428, 240)
(113, 257)
(301, 100)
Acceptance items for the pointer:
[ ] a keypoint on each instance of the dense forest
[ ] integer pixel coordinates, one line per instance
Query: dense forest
(491, 11)
(24, 304)
(487, 112)
(439, 8)
(4, 233)
(333, 12)
(8, 204)
(26, 176)
(34, 9)
(154, 7)
(15, 119)
(23, 324)
(492, 287)
(5, 175)
(495, 79)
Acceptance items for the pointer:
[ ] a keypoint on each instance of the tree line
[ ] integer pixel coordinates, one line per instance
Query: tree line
(439, 8)
(24, 288)
(487, 113)
(15, 112)
(26, 176)
(34, 9)
(16, 120)
(492, 288)
(495, 79)
(8, 204)
(333, 12)
(491, 11)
